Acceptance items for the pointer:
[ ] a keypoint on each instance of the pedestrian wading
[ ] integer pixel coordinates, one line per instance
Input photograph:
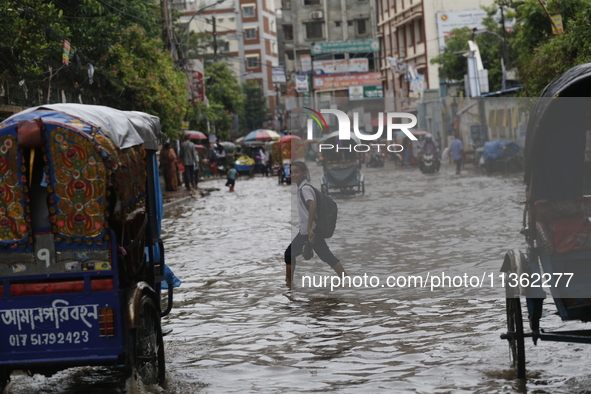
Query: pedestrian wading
(317, 216)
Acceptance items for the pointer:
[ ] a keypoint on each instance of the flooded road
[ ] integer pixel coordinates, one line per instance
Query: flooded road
(238, 329)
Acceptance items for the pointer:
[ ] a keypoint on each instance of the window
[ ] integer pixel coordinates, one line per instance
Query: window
(337, 23)
(248, 11)
(311, 2)
(252, 62)
(420, 30)
(349, 23)
(220, 20)
(250, 34)
(223, 46)
(286, 4)
(314, 30)
(231, 19)
(361, 27)
(288, 32)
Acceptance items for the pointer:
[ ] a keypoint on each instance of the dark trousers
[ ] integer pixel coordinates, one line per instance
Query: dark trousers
(189, 170)
(196, 176)
(320, 247)
(458, 164)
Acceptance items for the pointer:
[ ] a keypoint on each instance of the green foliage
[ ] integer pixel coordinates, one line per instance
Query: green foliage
(543, 56)
(147, 79)
(453, 65)
(31, 36)
(255, 108)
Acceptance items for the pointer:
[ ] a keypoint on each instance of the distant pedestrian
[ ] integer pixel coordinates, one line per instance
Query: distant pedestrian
(168, 163)
(307, 223)
(189, 159)
(196, 170)
(264, 160)
(232, 175)
(456, 149)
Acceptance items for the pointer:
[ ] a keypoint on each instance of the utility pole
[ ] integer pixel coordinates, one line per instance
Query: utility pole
(215, 42)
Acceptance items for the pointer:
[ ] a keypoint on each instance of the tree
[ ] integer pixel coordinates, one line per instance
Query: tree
(255, 107)
(147, 80)
(224, 95)
(453, 66)
(543, 56)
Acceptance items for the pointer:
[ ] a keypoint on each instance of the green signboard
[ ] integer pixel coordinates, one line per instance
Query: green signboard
(354, 46)
(365, 92)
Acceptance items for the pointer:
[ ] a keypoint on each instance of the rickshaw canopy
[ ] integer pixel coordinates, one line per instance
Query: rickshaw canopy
(556, 137)
(124, 128)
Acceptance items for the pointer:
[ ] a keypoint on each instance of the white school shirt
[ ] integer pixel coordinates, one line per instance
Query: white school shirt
(306, 194)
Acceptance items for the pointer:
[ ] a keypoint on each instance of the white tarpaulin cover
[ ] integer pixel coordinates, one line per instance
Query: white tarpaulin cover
(125, 128)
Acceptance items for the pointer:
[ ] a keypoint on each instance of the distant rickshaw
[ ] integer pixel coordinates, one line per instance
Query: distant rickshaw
(291, 148)
(341, 167)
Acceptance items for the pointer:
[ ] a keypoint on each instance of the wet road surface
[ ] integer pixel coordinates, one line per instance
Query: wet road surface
(238, 329)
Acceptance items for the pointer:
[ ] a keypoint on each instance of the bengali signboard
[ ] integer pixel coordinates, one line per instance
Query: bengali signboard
(341, 66)
(278, 74)
(365, 92)
(195, 70)
(306, 63)
(449, 20)
(353, 46)
(301, 82)
(345, 80)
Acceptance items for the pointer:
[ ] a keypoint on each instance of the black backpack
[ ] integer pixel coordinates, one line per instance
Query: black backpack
(326, 213)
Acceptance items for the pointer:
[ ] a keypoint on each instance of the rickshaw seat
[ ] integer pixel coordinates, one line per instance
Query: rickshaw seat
(564, 225)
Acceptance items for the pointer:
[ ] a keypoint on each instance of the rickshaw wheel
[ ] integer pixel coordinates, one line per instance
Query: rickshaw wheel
(148, 346)
(362, 187)
(4, 379)
(515, 335)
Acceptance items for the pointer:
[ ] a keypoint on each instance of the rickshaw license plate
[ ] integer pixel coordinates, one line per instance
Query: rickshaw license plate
(62, 324)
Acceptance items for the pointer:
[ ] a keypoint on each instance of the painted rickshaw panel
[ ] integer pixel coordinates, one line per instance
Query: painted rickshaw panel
(66, 208)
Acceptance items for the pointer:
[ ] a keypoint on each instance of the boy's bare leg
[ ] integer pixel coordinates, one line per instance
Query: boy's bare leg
(288, 275)
(338, 268)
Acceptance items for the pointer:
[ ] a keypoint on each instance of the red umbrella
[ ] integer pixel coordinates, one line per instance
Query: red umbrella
(195, 135)
(287, 138)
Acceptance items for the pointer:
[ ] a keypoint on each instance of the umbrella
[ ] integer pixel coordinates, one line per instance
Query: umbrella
(239, 140)
(335, 134)
(261, 135)
(201, 150)
(288, 137)
(195, 135)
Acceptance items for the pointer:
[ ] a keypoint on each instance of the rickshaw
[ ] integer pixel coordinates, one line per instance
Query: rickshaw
(291, 148)
(341, 167)
(556, 217)
(230, 150)
(81, 259)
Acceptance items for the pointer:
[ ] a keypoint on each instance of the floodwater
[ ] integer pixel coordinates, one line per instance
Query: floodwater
(238, 329)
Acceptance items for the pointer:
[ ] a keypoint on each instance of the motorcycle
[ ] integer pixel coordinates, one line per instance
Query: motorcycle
(376, 159)
(429, 164)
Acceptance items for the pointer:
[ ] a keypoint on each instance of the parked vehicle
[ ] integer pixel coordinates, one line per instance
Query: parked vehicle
(556, 224)
(341, 169)
(80, 250)
(500, 156)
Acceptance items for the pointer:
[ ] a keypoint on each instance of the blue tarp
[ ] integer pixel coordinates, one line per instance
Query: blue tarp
(497, 149)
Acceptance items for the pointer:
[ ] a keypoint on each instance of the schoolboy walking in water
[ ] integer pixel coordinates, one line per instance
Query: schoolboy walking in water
(232, 174)
(306, 214)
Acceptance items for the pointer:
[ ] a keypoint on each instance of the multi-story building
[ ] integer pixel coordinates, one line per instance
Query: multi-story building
(332, 42)
(245, 33)
(411, 33)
